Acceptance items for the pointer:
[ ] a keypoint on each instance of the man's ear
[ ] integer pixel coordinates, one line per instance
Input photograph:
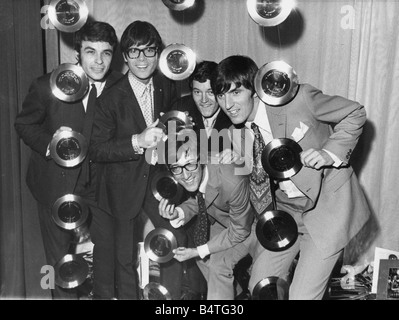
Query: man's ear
(124, 57)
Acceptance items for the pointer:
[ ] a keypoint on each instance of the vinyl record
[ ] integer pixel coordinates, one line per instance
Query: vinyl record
(159, 244)
(177, 62)
(68, 15)
(281, 158)
(180, 121)
(70, 212)
(276, 83)
(69, 82)
(68, 148)
(155, 291)
(178, 5)
(269, 13)
(164, 185)
(271, 288)
(276, 230)
(71, 271)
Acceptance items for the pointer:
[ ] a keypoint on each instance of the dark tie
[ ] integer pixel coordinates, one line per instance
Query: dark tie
(202, 227)
(259, 184)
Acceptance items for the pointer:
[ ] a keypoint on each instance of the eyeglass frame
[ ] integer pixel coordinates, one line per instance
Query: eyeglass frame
(184, 167)
(142, 51)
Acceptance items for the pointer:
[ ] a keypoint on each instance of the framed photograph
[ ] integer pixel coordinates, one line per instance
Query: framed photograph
(381, 254)
(388, 279)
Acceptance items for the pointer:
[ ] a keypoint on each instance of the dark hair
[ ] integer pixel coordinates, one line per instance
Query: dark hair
(238, 70)
(95, 31)
(203, 71)
(140, 33)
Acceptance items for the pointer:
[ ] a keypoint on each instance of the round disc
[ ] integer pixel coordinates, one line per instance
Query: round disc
(276, 230)
(158, 245)
(269, 13)
(177, 62)
(69, 82)
(69, 212)
(155, 291)
(68, 148)
(178, 5)
(164, 185)
(174, 121)
(276, 83)
(68, 15)
(71, 271)
(281, 158)
(271, 288)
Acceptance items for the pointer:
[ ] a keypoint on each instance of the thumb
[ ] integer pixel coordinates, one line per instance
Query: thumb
(154, 124)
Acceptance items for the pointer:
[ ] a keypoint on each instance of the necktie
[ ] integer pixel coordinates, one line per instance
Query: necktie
(148, 112)
(259, 184)
(202, 227)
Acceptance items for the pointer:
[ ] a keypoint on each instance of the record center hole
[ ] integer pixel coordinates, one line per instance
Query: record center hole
(70, 212)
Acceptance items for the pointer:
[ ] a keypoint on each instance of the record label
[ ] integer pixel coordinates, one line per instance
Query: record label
(177, 61)
(68, 15)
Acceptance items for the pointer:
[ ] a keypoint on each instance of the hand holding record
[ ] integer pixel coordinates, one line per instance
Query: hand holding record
(316, 159)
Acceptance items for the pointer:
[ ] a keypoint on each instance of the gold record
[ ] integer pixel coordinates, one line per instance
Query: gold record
(271, 288)
(175, 120)
(276, 83)
(281, 158)
(178, 5)
(164, 185)
(159, 244)
(68, 148)
(276, 230)
(70, 212)
(68, 15)
(155, 291)
(269, 13)
(71, 271)
(69, 82)
(177, 61)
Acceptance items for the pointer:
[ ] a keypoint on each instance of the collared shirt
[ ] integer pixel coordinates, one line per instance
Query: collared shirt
(139, 90)
(100, 85)
(210, 122)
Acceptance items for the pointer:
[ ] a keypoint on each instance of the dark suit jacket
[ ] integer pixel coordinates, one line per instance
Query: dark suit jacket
(187, 103)
(42, 114)
(126, 173)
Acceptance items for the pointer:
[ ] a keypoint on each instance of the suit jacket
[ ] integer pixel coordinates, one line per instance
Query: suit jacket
(123, 183)
(222, 121)
(336, 208)
(227, 201)
(42, 114)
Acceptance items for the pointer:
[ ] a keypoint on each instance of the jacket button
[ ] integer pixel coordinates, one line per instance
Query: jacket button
(145, 176)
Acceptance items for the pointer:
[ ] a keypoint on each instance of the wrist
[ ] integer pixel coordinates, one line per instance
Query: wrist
(135, 144)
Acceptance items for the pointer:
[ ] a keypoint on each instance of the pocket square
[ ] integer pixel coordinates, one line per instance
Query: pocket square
(299, 133)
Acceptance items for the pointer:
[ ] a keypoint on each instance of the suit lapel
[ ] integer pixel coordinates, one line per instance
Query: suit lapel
(278, 121)
(158, 96)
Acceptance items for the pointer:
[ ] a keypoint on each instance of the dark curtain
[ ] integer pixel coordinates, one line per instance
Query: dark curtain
(21, 248)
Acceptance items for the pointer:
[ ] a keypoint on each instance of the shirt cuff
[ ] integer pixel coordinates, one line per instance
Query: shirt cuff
(203, 251)
(179, 221)
(337, 161)
(48, 151)
(136, 146)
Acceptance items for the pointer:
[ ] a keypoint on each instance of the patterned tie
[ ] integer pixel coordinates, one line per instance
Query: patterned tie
(259, 184)
(148, 114)
(202, 227)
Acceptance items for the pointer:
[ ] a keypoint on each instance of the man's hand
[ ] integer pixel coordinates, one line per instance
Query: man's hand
(60, 129)
(316, 159)
(150, 136)
(228, 156)
(167, 210)
(183, 254)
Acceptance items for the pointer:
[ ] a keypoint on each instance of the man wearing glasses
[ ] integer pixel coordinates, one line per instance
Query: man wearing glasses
(125, 126)
(228, 211)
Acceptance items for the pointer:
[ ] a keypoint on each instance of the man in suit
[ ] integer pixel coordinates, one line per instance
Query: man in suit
(229, 213)
(324, 197)
(43, 116)
(125, 133)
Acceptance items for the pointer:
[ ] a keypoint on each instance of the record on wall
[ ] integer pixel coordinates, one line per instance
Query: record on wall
(68, 15)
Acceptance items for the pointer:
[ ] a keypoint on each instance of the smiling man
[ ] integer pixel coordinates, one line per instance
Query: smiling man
(42, 117)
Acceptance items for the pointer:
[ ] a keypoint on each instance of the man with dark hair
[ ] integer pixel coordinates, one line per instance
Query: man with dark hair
(324, 197)
(44, 116)
(124, 132)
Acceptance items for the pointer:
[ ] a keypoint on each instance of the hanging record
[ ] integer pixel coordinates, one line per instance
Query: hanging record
(276, 83)
(69, 82)
(164, 185)
(68, 148)
(70, 212)
(276, 230)
(71, 271)
(68, 15)
(271, 288)
(177, 61)
(155, 291)
(269, 13)
(159, 245)
(178, 5)
(281, 158)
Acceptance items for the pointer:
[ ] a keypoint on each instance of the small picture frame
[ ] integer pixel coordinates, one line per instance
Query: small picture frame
(388, 280)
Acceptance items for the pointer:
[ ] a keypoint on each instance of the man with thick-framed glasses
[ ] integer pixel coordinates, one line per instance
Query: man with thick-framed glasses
(227, 207)
(125, 126)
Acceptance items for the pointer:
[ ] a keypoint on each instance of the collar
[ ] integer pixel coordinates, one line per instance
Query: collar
(137, 85)
(204, 182)
(212, 119)
(261, 118)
